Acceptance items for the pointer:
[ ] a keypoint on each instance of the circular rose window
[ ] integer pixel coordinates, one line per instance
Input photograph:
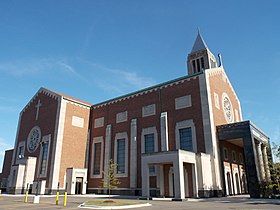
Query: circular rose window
(34, 138)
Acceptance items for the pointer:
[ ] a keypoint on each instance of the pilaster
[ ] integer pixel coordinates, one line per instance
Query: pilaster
(133, 153)
(164, 131)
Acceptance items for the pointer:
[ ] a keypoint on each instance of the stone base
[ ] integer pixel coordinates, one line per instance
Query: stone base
(209, 193)
(36, 199)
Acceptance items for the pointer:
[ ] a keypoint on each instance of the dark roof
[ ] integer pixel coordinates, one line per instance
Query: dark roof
(199, 44)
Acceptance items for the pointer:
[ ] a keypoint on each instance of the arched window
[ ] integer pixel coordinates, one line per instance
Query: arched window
(229, 183)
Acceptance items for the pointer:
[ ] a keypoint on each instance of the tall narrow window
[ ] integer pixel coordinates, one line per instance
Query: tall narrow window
(149, 143)
(44, 158)
(202, 63)
(120, 156)
(21, 152)
(186, 139)
(240, 158)
(198, 65)
(193, 65)
(225, 154)
(97, 158)
(150, 147)
(233, 156)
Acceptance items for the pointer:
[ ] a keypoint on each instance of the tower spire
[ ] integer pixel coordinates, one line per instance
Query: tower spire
(200, 58)
(199, 43)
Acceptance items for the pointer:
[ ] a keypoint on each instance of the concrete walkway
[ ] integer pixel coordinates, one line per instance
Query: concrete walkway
(73, 201)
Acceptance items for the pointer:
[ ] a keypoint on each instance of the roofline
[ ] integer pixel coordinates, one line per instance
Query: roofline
(258, 129)
(77, 102)
(147, 89)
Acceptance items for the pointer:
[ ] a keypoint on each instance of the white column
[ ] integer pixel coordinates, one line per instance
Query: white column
(164, 131)
(260, 158)
(179, 179)
(145, 180)
(133, 153)
(195, 181)
(107, 148)
(161, 180)
(266, 166)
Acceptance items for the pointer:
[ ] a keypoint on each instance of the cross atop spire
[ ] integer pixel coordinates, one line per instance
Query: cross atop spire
(199, 43)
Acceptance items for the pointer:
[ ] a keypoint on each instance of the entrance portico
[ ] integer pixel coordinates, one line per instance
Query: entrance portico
(178, 159)
(253, 142)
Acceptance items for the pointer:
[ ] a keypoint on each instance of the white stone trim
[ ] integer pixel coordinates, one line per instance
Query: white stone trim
(78, 121)
(133, 153)
(99, 122)
(57, 144)
(183, 102)
(71, 177)
(231, 120)
(185, 124)
(177, 158)
(164, 131)
(217, 101)
(236, 115)
(98, 139)
(45, 139)
(122, 135)
(121, 117)
(146, 131)
(148, 110)
(107, 155)
(210, 135)
(29, 136)
(236, 171)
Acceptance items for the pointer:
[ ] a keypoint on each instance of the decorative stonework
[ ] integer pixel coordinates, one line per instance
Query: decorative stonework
(34, 139)
(183, 102)
(78, 121)
(99, 122)
(148, 110)
(121, 117)
(217, 102)
(227, 108)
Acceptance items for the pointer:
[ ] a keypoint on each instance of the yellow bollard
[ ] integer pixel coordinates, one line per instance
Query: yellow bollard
(56, 199)
(65, 199)
(26, 196)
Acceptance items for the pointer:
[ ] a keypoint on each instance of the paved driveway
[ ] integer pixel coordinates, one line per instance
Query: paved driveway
(48, 202)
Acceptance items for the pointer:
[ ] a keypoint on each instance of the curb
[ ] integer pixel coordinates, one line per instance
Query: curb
(115, 207)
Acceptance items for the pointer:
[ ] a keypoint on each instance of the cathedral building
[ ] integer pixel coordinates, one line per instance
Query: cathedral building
(182, 138)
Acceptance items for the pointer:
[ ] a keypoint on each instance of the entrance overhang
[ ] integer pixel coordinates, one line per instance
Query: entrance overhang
(253, 140)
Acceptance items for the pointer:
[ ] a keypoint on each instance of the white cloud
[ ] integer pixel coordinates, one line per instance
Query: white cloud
(35, 67)
(8, 109)
(67, 68)
(117, 81)
(20, 68)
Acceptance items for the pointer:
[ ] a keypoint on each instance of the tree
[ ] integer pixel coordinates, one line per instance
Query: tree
(276, 151)
(110, 181)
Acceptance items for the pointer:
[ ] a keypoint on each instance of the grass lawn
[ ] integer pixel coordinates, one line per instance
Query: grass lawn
(113, 203)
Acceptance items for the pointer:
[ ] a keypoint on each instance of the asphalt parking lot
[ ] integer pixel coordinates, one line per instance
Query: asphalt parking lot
(48, 202)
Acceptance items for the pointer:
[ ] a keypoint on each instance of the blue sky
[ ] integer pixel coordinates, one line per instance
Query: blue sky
(97, 50)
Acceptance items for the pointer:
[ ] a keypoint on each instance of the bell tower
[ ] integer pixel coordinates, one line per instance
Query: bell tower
(200, 57)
